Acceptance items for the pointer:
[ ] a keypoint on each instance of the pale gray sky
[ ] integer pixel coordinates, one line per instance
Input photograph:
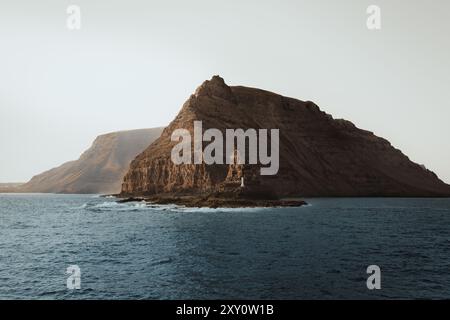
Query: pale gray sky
(134, 63)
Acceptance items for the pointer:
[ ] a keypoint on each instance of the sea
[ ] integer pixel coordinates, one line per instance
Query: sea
(140, 251)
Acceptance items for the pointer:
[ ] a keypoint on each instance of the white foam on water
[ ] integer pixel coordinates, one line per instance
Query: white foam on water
(114, 206)
(108, 204)
(215, 210)
(172, 208)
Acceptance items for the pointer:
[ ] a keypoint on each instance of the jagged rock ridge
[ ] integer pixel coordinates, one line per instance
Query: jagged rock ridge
(319, 155)
(100, 169)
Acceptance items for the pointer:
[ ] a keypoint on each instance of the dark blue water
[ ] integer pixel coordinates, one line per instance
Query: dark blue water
(166, 252)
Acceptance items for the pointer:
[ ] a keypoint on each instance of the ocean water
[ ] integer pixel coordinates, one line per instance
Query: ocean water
(132, 251)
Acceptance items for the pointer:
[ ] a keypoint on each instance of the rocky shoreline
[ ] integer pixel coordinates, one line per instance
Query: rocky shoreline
(215, 202)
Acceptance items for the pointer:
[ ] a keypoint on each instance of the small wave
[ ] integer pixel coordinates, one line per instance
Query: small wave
(20, 225)
(184, 209)
(114, 206)
(163, 207)
(214, 210)
(142, 205)
(108, 204)
(162, 261)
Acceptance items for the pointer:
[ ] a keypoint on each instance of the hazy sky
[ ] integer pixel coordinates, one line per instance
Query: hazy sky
(134, 63)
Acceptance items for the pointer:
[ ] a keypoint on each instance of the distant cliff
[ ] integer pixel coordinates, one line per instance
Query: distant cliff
(319, 155)
(100, 169)
(9, 187)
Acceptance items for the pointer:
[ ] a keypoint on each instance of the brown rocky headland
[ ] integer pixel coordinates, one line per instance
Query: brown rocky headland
(319, 156)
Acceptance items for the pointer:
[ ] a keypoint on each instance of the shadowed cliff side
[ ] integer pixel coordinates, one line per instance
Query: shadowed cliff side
(319, 155)
(100, 169)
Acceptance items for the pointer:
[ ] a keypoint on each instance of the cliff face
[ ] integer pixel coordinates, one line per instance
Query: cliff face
(100, 169)
(319, 155)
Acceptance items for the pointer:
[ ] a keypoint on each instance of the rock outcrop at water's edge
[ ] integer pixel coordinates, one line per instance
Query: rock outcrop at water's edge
(319, 156)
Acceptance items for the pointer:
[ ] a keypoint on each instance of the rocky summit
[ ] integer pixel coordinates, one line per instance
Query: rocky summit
(318, 156)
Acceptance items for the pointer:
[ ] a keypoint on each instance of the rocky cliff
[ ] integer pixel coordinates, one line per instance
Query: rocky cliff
(100, 169)
(319, 155)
